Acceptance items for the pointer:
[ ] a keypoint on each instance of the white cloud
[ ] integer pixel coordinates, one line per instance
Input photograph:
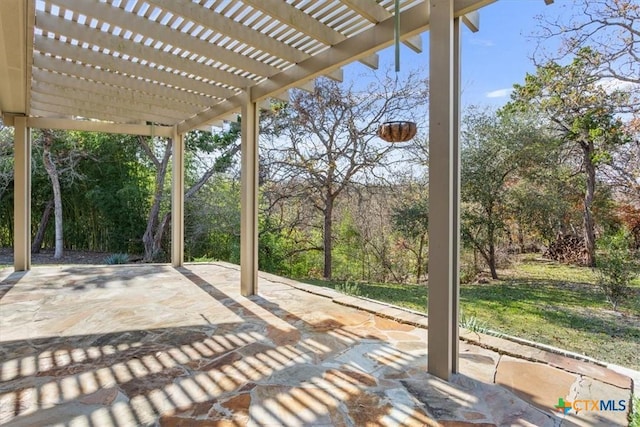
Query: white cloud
(500, 93)
(481, 42)
(610, 84)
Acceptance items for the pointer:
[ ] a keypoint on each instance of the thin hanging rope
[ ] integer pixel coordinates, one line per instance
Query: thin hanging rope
(397, 34)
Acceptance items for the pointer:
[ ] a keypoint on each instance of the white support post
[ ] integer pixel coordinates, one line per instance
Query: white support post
(22, 195)
(249, 199)
(177, 199)
(455, 235)
(441, 188)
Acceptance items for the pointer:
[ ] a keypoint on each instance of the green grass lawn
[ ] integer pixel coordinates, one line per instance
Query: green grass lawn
(541, 301)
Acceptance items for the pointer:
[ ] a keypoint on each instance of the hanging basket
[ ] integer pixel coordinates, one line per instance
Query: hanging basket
(398, 131)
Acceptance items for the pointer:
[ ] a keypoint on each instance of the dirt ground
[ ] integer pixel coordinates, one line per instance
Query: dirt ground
(46, 257)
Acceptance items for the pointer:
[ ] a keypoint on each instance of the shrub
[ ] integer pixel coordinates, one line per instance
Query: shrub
(349, 288)
(634, 416)
(468, 272)
(472, 323)
(116, 259)
(614, 268)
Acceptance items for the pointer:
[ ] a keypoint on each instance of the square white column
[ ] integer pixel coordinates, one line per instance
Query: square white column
(22, 195)
(249, 199)
(177, 199)
(442, 189)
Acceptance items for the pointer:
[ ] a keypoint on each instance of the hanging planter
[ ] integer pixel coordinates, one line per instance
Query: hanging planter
(397, 131)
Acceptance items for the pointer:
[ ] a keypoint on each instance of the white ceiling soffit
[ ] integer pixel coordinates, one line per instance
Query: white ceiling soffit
(184, 62)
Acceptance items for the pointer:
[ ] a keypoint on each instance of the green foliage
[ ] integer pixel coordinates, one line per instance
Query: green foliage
(109, 207)
(583, 114)
(222, 145)
(411, 218)
(634, 416)
(615, 268)
(468, 272)
(472, 323)
(212, 221)
(272, 254)
(410, 296)
(349, 288)
(6, 158)
(117, 259)
(496, 149)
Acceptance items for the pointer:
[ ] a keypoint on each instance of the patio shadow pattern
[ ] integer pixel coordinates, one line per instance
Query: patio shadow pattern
(150, 345)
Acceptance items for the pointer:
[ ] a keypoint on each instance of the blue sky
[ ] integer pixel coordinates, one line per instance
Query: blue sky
(499, 54)
(493, 59)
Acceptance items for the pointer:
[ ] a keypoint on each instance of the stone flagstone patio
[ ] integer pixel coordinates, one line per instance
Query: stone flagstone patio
(150, 345)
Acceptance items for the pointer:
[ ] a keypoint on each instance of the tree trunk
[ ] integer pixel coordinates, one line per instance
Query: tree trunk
(52, 171)
(589, 225)
(419, 259)
(491, 236)
(327, 242)
(163, 227)
(151, 244)
(492, 261)
(521, 238)
(165, 224)
(44, 221)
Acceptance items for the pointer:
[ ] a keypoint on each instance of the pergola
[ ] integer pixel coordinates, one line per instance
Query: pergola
(166, 67)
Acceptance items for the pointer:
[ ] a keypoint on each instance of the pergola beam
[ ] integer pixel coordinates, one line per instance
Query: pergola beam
(297, 19)
(413, 22)
(130, 103)
(231, 28)
(63, 83)
(463, 7)
(414, 43)
(88, 105)
(57, 112)
(74, 70)
(95, 126)
(113, 65)
(369, 9)
(371, 61)
(123, 46)
(138, 25)
(472, 21)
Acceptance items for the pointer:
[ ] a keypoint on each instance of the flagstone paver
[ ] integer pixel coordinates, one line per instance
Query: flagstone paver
(149, 345)
(541, 384)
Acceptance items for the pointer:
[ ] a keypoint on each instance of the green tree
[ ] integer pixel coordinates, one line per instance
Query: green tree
(582, 114)
(411, 218)
(615, 268)
(551, 188)
(60, 157)
(114, 194)
(212, 220)
(495, 147)
(6, 184)
(206, 154)
(6, 158)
